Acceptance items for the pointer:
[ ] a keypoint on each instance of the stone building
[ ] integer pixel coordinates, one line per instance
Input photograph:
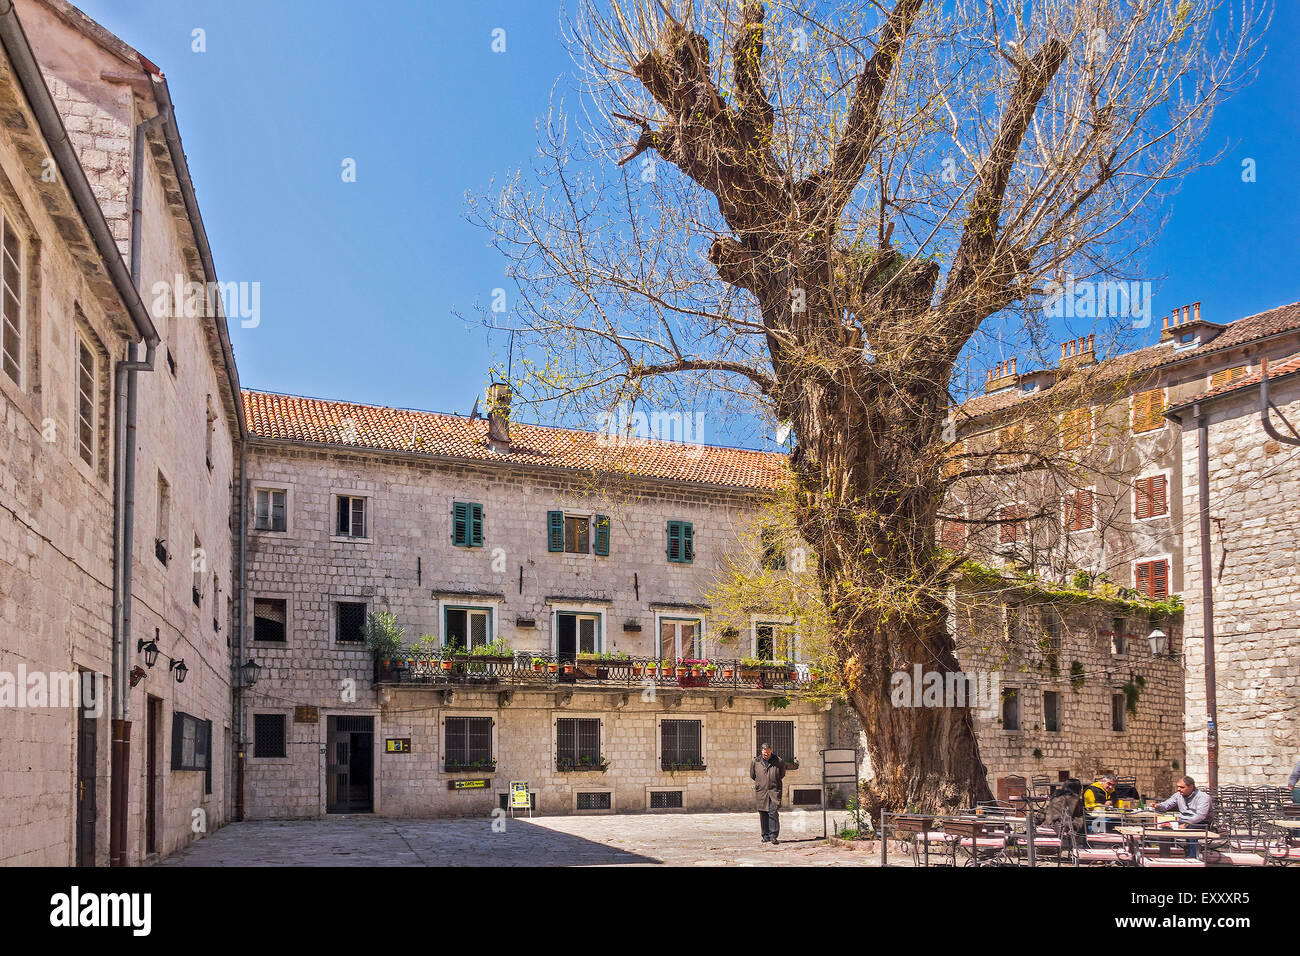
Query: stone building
(558, 543)
(1251, 491)
(1117, 514)
(89, 135)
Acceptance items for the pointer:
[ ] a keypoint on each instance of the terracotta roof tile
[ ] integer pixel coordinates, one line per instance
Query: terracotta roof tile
(1275, 370)
(1284, 318)
(298, 419)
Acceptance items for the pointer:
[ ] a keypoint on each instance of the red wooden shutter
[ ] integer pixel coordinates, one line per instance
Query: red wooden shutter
(1142, 577)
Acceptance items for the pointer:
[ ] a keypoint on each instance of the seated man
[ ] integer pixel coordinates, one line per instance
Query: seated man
(1097, 796)
(1195, 809)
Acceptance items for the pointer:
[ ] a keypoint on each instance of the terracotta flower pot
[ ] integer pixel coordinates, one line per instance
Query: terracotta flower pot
(552, 667)
(448, 665)
(728, 673)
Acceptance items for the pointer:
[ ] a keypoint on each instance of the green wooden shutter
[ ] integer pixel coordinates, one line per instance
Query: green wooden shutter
(602, 535)
(674, 541)
(688, 541)
(476, 525)
(460, 523)
(555, 527)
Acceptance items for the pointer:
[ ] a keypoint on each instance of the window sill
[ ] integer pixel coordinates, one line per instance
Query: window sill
(348, 539)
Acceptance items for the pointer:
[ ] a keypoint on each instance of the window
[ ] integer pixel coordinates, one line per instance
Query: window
(1118, 637)
(211, 424)
(198, 565)
(681, 744)
(681, 542)
(1015, 623)
(269, 509)
(1118, 713)
(11, 301)
(952, 533)
(1051, 642)
(778, 733)
(602, 800)
(1149, 497)
(577, 743)
(1011, 525)
(573, 533)
(1078, 510)
(270, 615)
(163, 518)
(1011, 709)
(679, 639)
(466, 627)
(466, 524)
(1149, 410)
(665, 799)
(773, 550)
(1076, 428)
(191, 742)
(351, 517)
(1051, 711)
(1151, 578)
(774, 641)
(87, 404)
(349, 618)
(1228, 375)
(469, 743)
(268, 735)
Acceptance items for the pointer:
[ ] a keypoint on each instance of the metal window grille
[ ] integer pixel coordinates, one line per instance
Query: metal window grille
(682, 742)
(469, 741)
(594, 801)
(778, 733)
(86, 402)
(577, 741)
(269, 618)
(268, 735)
(351, 619)
(807, 798)
(665, 800)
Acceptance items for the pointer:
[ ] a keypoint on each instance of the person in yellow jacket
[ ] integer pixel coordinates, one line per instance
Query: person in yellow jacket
(1097, 796)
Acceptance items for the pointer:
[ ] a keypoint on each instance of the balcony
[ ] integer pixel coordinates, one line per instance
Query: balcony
(543, 671)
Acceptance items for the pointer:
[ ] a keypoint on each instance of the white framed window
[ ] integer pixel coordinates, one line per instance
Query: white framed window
(468, 626)
(87, 401)
(13, 319)
(1079, 510)
(578, 630)
(773, 639)
(1151, 496)
(271, 509)
(351, 516)
(679, 637)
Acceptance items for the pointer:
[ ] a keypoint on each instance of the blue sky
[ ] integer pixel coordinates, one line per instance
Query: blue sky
(359, 280)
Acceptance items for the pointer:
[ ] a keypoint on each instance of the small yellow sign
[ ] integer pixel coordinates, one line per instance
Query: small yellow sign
(520, 799)
(398, 745)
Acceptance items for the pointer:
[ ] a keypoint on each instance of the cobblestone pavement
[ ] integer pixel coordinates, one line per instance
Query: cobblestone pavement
(675, 839)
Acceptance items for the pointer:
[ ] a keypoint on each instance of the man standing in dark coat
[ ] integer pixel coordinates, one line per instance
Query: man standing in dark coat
(767, 772)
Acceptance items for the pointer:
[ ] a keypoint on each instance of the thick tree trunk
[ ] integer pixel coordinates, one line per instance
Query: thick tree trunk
(868, 469)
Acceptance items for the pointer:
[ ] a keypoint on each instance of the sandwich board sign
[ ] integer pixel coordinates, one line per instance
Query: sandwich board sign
(520, 798)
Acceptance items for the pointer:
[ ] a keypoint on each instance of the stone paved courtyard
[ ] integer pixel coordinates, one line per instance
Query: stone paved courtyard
(686, 839)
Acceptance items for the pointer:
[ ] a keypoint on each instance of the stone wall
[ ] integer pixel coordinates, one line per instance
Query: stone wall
(1253, 487)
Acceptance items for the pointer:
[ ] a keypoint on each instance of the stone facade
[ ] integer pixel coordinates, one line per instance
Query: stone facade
(1119, 706)
(57, 564)
(407, 564)
(1253, 487)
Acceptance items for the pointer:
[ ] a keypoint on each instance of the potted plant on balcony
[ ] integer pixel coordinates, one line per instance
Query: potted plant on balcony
(539, 664)
(552, 666)
(385, 640)
(651, 668)
(728, 671)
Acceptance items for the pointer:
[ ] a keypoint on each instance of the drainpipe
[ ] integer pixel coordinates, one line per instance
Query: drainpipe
(1207, 594)
(124, 492)
(237, 738)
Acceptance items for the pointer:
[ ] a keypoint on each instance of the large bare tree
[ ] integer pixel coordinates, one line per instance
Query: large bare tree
(816, 207)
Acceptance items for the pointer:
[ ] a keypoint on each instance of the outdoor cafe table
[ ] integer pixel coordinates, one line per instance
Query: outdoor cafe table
(1286, 824)
(981, 826)
(1164, 838)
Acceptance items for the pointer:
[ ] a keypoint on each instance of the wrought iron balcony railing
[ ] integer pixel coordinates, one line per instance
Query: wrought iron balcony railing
(526, 668)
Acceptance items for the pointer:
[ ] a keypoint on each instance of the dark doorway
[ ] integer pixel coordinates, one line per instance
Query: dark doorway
(349, 765)
(566, 637)
(87, 770)
(153, 723)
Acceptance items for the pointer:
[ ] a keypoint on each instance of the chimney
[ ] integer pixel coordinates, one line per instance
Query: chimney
(498, 396)
(1196, 311)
